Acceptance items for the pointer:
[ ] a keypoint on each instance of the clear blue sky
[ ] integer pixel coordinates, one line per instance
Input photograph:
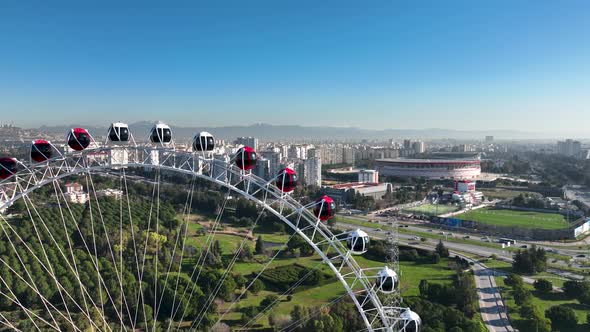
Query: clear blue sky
(371, 64)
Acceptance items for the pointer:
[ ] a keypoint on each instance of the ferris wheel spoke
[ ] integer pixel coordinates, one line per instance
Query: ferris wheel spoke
(50, 269)
(202, 256)
(293, 325)
(7, 323)
(139, 291)
(266, 265)
(41, 244)
(145, 245)
(119, 273)
(279, 298)
(29, 313)
(36, 291)
(59, 192)
(32, 285)
(157, 254)
(230, 266)
(84, 291)
(181, 235)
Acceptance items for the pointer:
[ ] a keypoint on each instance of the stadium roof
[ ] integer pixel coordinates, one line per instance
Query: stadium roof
(430, 161)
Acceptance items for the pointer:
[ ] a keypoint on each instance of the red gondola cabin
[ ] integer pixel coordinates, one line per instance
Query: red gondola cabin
(246, 158)
(41, 150)
(287, 180)
(7, 167)
(78, 139)
(324, 208)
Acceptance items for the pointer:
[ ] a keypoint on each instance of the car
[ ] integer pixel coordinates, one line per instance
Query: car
(415, 238)
(524, 246)
(430, 230)
(581, 256)
(466, 237)
(378, 230)
(441, 233)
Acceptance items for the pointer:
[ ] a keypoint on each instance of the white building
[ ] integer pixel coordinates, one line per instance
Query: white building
(419, 147)
(312, 172)
(368, 176)
(116, 193)
(348, 155)
(75, 193)
(331, 154)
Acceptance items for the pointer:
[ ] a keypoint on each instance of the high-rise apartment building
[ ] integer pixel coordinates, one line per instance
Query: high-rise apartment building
(569, 147)
(247, 141)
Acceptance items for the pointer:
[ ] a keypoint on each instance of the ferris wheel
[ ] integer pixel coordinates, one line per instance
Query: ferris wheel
(115, 263)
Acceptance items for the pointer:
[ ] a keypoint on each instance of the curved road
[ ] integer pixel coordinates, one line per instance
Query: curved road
(491, 304)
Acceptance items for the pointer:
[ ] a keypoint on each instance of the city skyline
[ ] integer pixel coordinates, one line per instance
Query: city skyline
(389, 65)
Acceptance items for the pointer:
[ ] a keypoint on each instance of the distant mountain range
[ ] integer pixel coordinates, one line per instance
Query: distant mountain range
(300, 133)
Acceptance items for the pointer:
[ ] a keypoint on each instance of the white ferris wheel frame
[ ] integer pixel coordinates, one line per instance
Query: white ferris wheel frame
(375, 315)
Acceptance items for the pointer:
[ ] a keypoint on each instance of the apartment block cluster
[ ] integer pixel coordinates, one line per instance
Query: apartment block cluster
(572, 148)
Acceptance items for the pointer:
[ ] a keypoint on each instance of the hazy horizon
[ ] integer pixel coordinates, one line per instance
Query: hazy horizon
(383, 65)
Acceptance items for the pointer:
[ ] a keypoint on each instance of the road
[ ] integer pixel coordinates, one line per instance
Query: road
(412, 225)
(491, 304)
(492, 308)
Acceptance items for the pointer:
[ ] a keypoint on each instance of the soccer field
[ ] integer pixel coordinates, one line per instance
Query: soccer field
(431, 209)
(524, 219)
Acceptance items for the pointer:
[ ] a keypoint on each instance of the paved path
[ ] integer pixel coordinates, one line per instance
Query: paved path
(491, 304)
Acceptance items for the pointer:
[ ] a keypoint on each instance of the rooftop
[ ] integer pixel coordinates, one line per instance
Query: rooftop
(356, 185)
(430, 161)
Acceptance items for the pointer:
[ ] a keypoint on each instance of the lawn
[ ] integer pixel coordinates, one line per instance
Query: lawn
(543, 302)
(411, 274)
(512, 218)
(431, 209)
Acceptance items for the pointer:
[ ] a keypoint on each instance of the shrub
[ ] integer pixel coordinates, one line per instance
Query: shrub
(543, 285)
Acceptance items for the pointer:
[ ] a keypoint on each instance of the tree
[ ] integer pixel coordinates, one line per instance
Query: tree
(561, 317)
(313, 278)
(465, 293)
(423, 287)
(521, 295)
(260, 246)
(543, 285)
(257, 286)
(267, 301)
(441, 250)
(513, 280)
(245, 254)
(248, 313)
(530, 261)
(573, 289)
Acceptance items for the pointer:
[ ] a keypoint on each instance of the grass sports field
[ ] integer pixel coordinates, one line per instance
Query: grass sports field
(524, 219)
(431, 209)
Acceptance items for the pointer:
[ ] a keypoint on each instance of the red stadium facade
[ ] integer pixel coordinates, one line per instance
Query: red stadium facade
(435, 169)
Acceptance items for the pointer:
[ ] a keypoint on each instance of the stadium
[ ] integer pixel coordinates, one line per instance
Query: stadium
(454, 169)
